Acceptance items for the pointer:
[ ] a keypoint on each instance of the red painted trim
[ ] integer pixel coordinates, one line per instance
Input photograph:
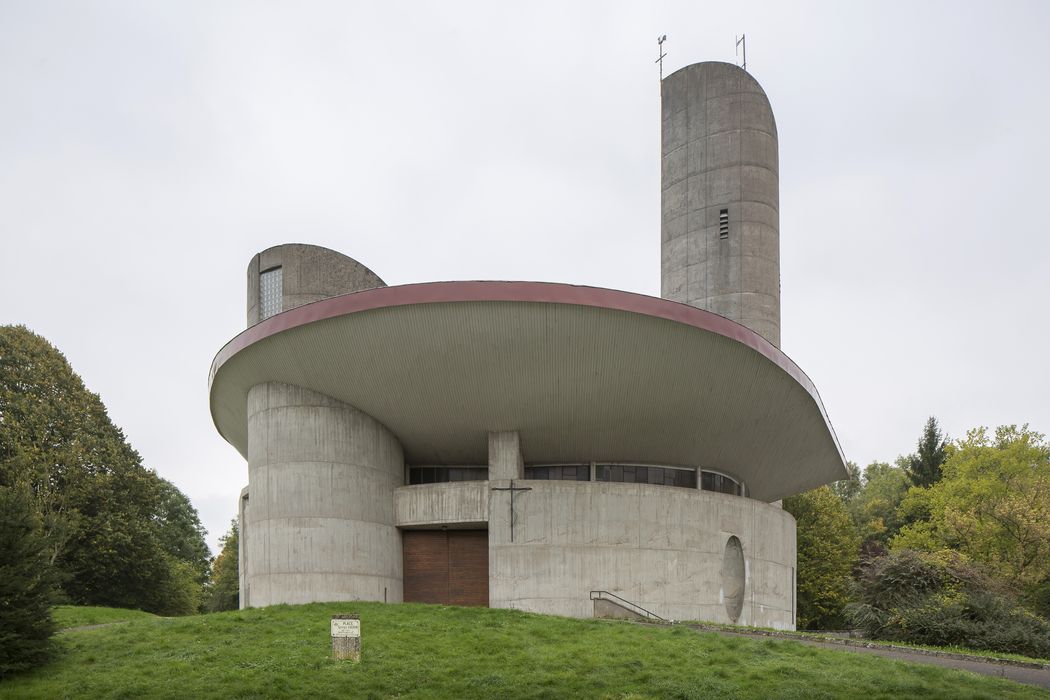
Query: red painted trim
(534, 292)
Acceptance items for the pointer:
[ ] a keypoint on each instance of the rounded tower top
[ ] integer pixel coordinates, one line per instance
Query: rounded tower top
(292, 274)
(732, 89)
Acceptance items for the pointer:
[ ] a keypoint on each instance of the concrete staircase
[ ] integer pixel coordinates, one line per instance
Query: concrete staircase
(611, 606)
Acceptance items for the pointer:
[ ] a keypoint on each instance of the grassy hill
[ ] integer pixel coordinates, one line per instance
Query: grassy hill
(422, 651)
(67, 616)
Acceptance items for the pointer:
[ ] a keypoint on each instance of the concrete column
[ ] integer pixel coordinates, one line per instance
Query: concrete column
(505, 459)
(322, 476)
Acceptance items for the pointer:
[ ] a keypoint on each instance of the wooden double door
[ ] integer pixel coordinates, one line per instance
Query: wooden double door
(447, 566)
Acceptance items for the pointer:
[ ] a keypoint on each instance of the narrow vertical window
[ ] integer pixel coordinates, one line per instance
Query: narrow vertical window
(723, 223)
(270, 289)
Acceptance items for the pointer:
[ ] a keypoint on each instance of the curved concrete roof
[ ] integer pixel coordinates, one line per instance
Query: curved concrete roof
(582, 373)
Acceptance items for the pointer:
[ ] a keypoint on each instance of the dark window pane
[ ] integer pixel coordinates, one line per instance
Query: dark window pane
(719, 483)
(437, 475)
(642, 474)
(564, 472)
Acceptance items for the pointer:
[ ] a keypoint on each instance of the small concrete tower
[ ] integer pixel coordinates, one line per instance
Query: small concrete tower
(720, 220)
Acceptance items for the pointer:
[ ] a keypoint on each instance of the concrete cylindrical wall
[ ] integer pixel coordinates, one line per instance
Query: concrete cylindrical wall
(720, 193)
(660, 547)
(321, 481)
(308, 273)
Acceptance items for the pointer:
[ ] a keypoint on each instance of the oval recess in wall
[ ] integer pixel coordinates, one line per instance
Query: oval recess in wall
(733, 578)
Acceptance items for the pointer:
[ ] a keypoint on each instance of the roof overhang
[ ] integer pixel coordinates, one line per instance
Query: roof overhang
(582, 373)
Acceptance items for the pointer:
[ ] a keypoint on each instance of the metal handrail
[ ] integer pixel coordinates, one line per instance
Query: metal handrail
(638, 609)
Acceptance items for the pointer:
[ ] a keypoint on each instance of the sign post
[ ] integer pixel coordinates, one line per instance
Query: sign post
(346, 637)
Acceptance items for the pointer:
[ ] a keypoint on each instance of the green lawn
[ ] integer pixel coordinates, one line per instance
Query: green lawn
(67, 616)
(433, 651)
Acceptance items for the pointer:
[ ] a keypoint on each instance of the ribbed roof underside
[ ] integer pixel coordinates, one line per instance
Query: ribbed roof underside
(583, 374)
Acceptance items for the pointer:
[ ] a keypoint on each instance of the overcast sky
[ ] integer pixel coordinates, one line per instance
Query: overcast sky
(149, 149)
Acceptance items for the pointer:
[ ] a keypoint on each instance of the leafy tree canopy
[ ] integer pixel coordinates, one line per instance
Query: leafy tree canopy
(849, 488)
(992, 505)
(827, 552)
(100, 509)
(874, 509)
(181, 534)
(225, 590)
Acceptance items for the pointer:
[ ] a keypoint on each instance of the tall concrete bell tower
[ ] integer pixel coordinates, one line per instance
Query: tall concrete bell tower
(720, 193)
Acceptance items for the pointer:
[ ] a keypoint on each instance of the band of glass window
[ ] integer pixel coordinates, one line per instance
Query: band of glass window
(440, 475)
(613, 473)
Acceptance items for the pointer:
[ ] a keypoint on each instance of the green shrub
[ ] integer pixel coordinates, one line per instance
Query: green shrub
(942, 600)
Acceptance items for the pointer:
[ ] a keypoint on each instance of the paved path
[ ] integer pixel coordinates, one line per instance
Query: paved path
(1031, 676)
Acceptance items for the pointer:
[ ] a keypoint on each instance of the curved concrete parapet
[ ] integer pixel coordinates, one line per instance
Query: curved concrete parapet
(304, 274)
(720, 220)
(659, 547)
(321, 524)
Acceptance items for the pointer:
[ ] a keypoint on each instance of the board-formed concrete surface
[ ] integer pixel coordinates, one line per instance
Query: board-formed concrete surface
(309, 273)
(720, 154)
(662, 548)
(320, 523)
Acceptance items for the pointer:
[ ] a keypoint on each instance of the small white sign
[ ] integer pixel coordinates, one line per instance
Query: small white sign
(346, 628)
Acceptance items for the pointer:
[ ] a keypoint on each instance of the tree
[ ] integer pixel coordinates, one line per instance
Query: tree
(992, 505)
(27, 586)
(849, 488)
(827, 552)
(100, 509)
(181, 534)
(924, 467)
(225, 589)
(874, 509)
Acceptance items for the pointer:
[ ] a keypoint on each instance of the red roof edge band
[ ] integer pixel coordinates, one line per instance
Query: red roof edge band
(535, 292)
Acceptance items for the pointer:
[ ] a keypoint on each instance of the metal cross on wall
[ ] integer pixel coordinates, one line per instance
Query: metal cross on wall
(513, 489)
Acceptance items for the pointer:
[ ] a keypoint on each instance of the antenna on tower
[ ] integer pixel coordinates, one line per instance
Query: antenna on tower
(660, 50)
(742, 43)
